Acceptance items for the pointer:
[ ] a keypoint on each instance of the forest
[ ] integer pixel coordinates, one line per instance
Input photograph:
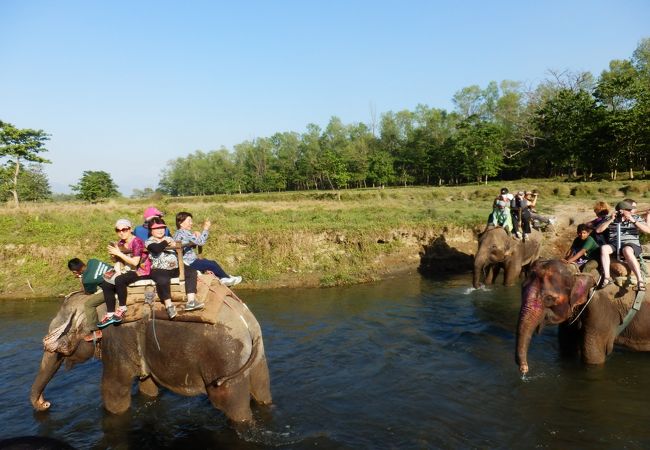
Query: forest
(571, 125)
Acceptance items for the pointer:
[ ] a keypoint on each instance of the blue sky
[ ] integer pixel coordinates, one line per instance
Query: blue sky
(127, 86)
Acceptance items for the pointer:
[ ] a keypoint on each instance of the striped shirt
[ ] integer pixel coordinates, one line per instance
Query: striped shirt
(629, 232)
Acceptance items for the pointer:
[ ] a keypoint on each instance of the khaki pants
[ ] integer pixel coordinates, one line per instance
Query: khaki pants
(90, 310)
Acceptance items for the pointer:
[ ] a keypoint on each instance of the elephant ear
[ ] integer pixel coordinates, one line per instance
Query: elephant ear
(580, 290)
(58, 341)
(509, 246)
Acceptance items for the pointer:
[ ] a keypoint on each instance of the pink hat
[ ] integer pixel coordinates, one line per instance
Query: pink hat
(154, 226)
(151, 212)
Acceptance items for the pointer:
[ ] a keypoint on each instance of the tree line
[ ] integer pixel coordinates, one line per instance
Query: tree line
(572, 124)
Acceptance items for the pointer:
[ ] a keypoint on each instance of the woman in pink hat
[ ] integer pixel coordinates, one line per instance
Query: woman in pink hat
(164, 267)
(142, 231)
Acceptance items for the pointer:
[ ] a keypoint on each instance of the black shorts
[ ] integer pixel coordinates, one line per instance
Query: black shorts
(635, 248)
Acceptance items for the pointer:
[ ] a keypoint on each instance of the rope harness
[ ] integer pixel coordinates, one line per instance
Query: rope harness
(636, 305)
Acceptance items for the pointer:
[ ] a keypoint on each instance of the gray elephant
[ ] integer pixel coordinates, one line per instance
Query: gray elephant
(498, 250)
(224, 359)
(555, 292)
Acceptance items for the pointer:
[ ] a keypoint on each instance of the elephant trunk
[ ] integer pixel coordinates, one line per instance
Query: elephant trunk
(49, 365)
(478, 268)
(531, 316)
(480, 261)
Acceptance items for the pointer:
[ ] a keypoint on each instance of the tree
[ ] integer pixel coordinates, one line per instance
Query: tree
(21, 145)
(568, 125)
(619, 92)
(32, 183)
(480, 143)
(95, 185)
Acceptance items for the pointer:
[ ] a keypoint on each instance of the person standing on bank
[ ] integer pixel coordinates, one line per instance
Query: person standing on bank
(164, 267)
(190, 239)
(624, 227)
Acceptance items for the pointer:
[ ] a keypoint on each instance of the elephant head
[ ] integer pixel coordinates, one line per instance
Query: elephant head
(494, 246)
(64, 342)
(551, 294)
(497, 249)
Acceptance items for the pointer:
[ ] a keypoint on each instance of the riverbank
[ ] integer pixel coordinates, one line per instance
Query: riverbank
(291, 239)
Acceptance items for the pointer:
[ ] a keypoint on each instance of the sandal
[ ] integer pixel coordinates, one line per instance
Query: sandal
(640, 286)
(606, 282)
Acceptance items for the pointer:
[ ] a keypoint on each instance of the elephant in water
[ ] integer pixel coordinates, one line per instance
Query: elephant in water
(497, 249)
(219, 353)
(555, 292)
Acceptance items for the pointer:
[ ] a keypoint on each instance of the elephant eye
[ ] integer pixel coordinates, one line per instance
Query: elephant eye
(549, 300)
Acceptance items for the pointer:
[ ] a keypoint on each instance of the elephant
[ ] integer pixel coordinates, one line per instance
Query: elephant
(554, 293)
(224, 359)
(497, 249)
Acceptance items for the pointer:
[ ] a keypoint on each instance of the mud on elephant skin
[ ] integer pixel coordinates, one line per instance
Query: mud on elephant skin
(224, 360)
(499, 250)
(556, 292)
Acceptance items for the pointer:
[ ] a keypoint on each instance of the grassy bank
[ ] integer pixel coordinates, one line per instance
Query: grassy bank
(314, 238)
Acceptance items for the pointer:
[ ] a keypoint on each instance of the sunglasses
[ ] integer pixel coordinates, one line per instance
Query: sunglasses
(121, 230)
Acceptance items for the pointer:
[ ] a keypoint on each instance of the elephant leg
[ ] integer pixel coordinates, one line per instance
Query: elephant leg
(494, 273)
(148, 387)
(116, 389)
(233, 398)
(260, 382)
(595, 348)
(513, 269)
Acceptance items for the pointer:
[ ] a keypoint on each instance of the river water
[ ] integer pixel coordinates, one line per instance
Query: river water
(404, 363)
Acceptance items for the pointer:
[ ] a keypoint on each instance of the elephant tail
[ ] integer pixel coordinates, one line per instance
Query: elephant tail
(251, 359)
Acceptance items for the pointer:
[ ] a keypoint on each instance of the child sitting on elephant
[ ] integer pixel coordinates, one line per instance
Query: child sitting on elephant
(583, 248)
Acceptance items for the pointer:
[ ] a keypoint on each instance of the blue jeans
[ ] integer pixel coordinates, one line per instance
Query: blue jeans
(206, 264)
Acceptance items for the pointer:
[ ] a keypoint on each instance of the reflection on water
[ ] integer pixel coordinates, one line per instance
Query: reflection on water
(404, 363)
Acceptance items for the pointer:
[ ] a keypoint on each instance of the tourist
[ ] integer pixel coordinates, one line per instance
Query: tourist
(520, 214)
(131, 264)
(624, 227)
(164, 267)
(531, 197)
(190, 239)
(601, 209)
(142, 231)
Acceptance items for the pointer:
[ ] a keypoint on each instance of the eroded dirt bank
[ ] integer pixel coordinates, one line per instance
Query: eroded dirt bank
(304, 259)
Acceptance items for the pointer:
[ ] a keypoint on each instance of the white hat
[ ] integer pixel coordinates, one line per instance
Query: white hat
(123, 223)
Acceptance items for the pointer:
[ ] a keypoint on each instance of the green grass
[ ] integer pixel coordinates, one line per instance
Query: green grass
(311, 237)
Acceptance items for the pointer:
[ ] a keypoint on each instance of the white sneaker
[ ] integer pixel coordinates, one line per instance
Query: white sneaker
(552, 220)
(230, 281)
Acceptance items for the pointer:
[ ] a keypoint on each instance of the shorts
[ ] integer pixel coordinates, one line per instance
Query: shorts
(635, 248)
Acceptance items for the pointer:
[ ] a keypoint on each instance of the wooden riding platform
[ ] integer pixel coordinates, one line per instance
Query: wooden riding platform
(210, 291)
